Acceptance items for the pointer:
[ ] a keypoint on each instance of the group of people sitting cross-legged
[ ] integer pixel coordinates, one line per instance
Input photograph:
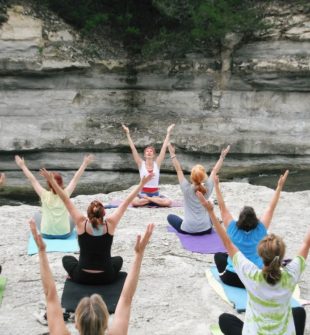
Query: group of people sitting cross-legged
(254, 258)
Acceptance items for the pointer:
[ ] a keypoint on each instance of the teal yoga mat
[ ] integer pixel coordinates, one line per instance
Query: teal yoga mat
(69, 244)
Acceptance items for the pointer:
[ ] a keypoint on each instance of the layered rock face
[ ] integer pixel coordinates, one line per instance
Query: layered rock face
(58, 99)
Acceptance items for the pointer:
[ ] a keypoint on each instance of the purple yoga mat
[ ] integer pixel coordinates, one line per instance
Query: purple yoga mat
(205, 244)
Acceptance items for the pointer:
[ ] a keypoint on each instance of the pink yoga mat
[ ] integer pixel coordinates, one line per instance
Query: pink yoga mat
(205, 244)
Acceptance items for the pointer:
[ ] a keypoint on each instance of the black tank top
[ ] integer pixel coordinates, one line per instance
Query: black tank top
(95, 251)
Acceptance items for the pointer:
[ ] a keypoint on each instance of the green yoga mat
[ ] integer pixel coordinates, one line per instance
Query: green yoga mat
(215, 330)
(2, 287)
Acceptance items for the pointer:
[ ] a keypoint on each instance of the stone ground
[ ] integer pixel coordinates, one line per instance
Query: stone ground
(173, 296)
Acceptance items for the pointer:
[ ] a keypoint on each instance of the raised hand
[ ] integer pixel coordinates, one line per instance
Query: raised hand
(282, 179)
(88, 159)
(19, 161)
(2, 179)
(142, 242)
(146, 179)
(126, 129)
(225, 151)
(171, 149)
(205, 203)
(170, 128)
(46, 174)
(36, 236)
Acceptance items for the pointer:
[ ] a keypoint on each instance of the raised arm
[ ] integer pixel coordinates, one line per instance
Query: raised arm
(114, 218)
(176, 163)
(72, 185)
(77, 216)
(122, 313)
(2, 179)
(304, 249)
(163, 149)
(231, 248)
(267, 216)
(225, 214)
(56, 324)
(219, 163)
(134, 151)
(35, 184)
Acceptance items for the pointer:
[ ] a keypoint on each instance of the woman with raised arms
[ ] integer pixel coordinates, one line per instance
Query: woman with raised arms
(149, 195)
(245, 233)
(91, 315)
(95, 236)
(53, 221)
(196, 219)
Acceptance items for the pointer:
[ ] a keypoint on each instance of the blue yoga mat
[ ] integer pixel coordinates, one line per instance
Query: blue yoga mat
(69, 244)
(238, 296)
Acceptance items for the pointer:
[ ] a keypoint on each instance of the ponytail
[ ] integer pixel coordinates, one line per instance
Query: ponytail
(58, 178)
(201, 188)
(272, 249)
(272, 272)
(95, 213)
(198, 176)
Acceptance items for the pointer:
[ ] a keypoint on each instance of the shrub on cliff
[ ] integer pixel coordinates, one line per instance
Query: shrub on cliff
(3, 8)
(156, 26)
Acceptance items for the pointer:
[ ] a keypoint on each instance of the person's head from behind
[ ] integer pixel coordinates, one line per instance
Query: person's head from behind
(149, 152)
(247, 219)
(272, 249)
(198, 176)
(58, 178)
(92, 316)
(95, 213)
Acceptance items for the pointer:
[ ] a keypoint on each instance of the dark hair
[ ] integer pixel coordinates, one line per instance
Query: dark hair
(95, 213)
(271, 249)
(58, 178)
(247, 219)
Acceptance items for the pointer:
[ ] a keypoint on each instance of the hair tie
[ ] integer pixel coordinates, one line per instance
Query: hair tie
(275, 259)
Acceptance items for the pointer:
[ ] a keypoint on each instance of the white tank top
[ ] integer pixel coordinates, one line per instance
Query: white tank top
(153, 183)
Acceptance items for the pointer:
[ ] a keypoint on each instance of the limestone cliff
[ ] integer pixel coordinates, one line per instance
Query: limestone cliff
(58, 97)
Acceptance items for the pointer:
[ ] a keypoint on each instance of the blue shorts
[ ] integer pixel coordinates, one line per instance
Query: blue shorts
(154, 194)
(56, 237)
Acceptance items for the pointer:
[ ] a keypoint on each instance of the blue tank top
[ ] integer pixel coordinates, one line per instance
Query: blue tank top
(95, 251)
(246, 242)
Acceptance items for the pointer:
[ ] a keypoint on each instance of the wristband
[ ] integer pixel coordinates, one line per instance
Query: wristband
(173, 156)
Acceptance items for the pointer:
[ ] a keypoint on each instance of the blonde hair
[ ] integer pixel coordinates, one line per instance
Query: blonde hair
(198, 176)
(272, 249)
(92, 316)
